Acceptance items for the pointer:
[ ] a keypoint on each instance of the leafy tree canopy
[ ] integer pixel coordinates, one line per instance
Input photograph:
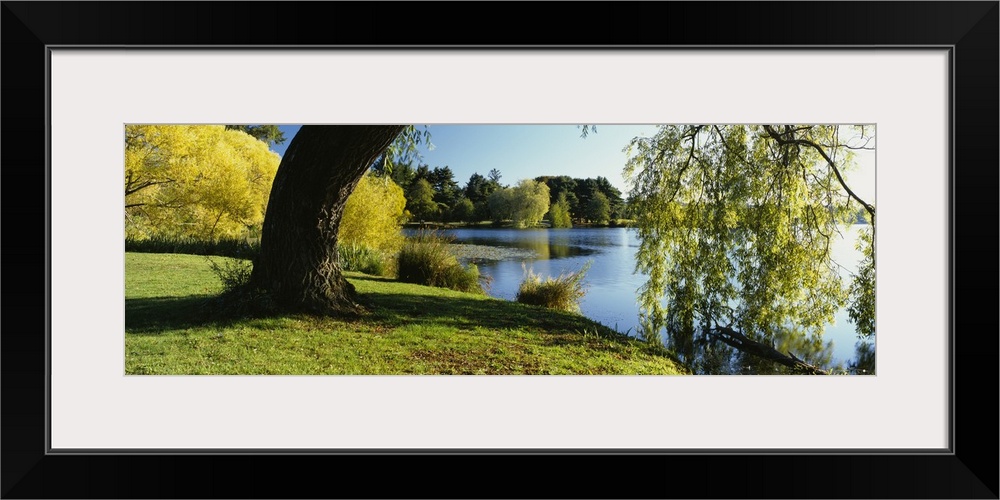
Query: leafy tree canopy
(446, 190)
(558, 215)
(200, 181)
(736, 225)
(420, 200)
(269, 134)
(598, 208)
(373, 214)
(404, 149)
(523, 204)
(463, 210)
(580, 192)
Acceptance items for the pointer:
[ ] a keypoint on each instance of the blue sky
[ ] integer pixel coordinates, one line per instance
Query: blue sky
(524, 151)
(528, 151)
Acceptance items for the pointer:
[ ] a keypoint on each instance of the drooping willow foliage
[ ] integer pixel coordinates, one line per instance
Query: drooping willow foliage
(736, 224)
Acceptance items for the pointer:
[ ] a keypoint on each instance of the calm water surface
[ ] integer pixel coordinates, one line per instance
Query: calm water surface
(612, 285)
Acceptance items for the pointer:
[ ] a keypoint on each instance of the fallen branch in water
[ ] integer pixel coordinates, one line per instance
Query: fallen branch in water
(740, 342)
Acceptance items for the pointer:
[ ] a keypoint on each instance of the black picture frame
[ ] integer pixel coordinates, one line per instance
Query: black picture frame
(969, 471)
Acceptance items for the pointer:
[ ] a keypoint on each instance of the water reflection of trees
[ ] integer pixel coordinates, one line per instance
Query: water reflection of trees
(547, 248)
(685, 334)
(864, 360)
(706, 355)
(539, 244)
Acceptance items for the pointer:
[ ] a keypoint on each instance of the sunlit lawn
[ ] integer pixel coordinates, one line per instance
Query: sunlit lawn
(412, 329)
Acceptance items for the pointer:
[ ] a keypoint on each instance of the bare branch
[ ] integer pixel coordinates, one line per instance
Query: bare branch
(145, 185)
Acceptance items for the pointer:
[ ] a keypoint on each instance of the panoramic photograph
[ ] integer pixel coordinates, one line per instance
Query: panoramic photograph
(413, 249)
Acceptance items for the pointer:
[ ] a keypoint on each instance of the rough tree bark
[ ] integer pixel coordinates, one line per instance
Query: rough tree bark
(298, 265)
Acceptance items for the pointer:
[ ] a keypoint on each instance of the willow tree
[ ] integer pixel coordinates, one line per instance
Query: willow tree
(736, 225)
(195, 181)
(298, 266)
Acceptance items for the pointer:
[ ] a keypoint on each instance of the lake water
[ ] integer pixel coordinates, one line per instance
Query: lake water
(611, 282)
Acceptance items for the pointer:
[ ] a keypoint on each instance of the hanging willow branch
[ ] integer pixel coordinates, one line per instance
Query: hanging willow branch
(790, 139)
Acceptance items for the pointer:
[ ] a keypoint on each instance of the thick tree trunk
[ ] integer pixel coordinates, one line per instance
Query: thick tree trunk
(298, 264)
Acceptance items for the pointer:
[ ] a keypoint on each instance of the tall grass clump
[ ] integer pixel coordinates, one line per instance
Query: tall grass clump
(425, 259)
(239, 297)
(234, 274)
(363, 259)
(563, 292)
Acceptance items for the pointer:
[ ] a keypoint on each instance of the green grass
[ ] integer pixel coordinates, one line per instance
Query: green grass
(412, 329)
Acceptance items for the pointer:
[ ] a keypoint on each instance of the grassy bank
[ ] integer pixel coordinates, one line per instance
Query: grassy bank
(412, 329)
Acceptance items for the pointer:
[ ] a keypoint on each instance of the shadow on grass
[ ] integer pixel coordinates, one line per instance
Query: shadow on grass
(155, 314)
(559, 328)
(369, 277)
(404, 309)
(151, 316)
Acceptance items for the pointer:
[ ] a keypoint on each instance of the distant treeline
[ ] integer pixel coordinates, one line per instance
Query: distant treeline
(433, 194)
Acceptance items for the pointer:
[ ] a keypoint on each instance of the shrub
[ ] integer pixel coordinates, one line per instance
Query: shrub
(238, 297)
(373, 215)
(426, 260)
(363, 259)
(563, 292)
(233, 273)
(463, 279)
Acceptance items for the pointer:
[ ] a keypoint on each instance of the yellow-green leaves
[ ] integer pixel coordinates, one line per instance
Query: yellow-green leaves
(199, 181)
(373, 215)
(558, 215)
(862, 307)
(735, 229)
(523, 204)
